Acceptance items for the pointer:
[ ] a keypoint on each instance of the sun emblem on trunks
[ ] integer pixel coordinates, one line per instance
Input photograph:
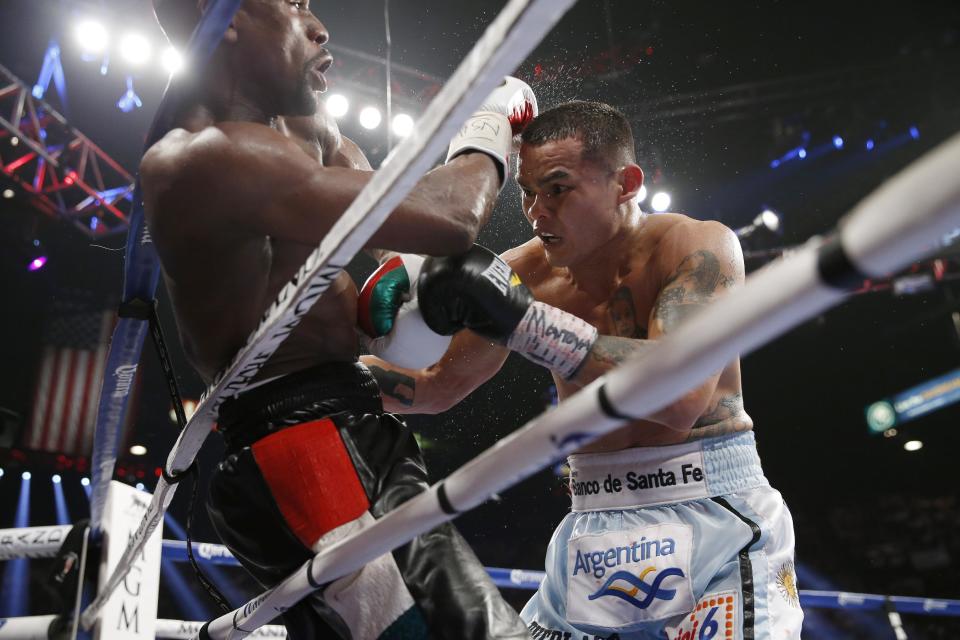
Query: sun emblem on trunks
(787, 584)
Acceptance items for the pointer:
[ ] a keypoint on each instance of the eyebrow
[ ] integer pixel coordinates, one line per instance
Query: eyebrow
(559, 174)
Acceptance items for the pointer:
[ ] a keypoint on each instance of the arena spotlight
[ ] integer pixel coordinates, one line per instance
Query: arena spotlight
(171, 60)
(912, 445)
(135, 49)
(138, 450)
(770, 219)
(14, 141)
(91, 36)
(37, 263)
(140, 487)
(85, 482)
(56, 478)
(660, 201)
(915, 134)
(402, 125)
(838, 142)
(870, 144)
(801, 153)
(370, 118)
(1, 473)
(25, 475)
(338, 105)
(8, 193)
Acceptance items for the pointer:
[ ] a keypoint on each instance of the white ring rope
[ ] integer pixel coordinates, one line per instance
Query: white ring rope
(32, 542)
(505, 44)
(881, 235)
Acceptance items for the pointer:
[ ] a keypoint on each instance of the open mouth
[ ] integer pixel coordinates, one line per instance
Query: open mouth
(324, 64)
(548, 238)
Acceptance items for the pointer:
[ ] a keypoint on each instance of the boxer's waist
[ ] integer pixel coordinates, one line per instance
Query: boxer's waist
(648, 476)
(299, 397)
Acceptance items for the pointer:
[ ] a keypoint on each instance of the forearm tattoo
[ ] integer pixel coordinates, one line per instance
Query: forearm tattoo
(396, 385)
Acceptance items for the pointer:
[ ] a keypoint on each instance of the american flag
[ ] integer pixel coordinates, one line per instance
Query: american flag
(75, 342)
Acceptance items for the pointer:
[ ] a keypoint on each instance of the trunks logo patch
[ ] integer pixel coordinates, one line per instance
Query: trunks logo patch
(787, 584)
(619, 579)
(615, 587)
(714, 618)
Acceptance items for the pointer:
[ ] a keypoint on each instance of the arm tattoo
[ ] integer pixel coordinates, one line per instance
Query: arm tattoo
(624, 315)
(727, 416)
(610, 351)
(395, 385)
(690, 287)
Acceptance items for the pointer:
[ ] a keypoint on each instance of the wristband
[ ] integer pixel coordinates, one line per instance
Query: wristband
(553, 338)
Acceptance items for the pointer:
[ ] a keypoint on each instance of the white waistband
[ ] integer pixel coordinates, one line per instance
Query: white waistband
(648, 476)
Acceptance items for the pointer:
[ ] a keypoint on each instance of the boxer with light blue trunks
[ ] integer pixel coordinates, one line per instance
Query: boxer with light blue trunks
(639, 556)
(674, 531)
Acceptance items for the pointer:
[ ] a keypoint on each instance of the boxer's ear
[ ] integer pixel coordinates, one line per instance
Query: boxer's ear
(631, 179)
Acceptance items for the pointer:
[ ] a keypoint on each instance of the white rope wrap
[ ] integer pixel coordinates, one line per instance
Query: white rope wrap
(773, 300)
(505, 44)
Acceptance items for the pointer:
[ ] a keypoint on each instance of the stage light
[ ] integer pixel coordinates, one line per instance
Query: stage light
(370, 118)
(37, 263)
(801, 153)
(838, 142)
(91, 36)
(912, 445)
(1, 473)
(642, 193)
(139, 487)
(25, 475)
(8, 193)
(915, 134)
(338, 105)
(138, 450)
(402, 125)
(660, 201)
(14, 141)
(171, 60)
(135, 49)
(56, 478)
(774, 163)
(770, 219)
(85, 482)
(870, 144)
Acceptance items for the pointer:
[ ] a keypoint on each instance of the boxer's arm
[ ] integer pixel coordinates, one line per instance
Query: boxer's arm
(249, 179)
(703, 261)
(470, 361)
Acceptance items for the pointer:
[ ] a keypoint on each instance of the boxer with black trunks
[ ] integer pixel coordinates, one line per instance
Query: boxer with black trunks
(674, 531)
(236, 196)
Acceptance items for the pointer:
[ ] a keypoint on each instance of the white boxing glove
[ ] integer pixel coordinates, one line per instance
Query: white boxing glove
(493, 128)
(388, 314)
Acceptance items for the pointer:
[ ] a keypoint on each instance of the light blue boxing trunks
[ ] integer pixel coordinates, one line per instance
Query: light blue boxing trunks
(686, 542)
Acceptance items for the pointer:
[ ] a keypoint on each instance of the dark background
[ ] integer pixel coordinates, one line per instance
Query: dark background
(715, 92)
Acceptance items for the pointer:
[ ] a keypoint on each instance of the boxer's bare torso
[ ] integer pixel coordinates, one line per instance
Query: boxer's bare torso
(221, 279)
(622, 297)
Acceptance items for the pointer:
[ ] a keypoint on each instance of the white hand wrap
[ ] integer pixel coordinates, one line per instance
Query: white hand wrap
(553, 338)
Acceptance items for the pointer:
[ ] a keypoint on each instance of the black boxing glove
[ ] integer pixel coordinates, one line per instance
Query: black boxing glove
(477, 290)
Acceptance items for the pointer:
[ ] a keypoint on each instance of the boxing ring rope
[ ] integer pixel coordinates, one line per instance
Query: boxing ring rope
(504, 45)
(895, 225)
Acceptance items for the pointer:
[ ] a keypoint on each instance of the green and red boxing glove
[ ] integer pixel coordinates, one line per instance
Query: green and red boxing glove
(388, 314)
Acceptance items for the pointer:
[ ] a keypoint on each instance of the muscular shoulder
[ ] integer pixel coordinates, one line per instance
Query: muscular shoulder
(684, 239)
(529, 262)
(210, 168)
